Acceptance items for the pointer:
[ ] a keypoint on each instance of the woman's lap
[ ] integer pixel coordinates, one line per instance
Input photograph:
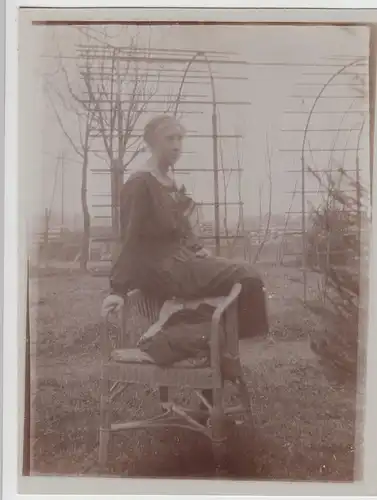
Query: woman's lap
(211, 277)
(199, 277)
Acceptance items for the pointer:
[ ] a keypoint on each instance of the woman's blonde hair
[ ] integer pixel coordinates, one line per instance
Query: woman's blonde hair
(155, 123)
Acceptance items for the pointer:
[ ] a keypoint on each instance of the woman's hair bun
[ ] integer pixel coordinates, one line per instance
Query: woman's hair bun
(155, 123)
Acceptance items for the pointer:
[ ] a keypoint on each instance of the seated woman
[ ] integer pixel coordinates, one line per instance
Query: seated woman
(159, 254)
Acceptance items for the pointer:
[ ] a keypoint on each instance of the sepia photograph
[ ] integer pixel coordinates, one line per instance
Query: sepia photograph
(198, 211)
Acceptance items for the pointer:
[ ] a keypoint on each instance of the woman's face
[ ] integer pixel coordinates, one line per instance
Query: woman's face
(167, 143)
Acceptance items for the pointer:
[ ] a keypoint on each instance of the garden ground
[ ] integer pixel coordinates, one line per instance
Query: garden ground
(303, 425)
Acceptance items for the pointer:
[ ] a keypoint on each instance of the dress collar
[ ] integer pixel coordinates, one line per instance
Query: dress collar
(151, 167)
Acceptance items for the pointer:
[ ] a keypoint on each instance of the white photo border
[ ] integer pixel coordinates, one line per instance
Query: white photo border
(15, 486)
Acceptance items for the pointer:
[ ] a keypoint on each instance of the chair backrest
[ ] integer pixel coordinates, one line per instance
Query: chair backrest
(139, 313)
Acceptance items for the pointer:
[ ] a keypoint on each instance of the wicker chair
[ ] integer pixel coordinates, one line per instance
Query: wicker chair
(123, 363)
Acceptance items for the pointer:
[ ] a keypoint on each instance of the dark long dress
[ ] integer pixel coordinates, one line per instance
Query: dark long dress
(158, 255)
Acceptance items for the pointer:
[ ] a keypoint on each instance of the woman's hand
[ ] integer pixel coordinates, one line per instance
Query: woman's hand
(111, 304)
(203, 252)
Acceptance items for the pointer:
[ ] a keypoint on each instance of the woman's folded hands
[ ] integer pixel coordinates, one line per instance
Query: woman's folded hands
(203, 252)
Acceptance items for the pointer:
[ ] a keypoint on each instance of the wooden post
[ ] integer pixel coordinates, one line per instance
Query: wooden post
(116, 169)
(372, 99)
(27, 399)
(216, 181)
(62, 166)
(45, 237)
(118, 164)
(215, 157)
(303, 229)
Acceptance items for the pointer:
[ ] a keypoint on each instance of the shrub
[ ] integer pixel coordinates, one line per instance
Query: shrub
(335, 250)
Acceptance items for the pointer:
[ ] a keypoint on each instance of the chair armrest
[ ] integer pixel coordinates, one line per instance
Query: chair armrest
(134, 316)
(105, 327)
(230, 301)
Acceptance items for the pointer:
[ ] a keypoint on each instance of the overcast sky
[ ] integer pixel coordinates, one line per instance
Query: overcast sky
(287, 68)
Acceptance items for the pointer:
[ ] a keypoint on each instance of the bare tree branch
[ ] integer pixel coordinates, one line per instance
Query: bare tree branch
(287, 218)
(133, 156)
(99, 115)
(85, 124)
(62, 126)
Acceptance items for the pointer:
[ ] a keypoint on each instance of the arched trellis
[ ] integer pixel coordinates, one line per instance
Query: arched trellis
(304, 171)
(166, 57)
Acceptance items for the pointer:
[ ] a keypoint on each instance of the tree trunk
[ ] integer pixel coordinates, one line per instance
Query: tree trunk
(84, 257)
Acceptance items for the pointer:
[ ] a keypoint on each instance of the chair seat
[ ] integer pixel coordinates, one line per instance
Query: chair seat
(136, 356)
(173, 305)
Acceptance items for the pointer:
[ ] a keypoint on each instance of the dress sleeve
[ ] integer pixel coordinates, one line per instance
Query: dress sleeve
(188, 206)
(192, 239)
(134, 209)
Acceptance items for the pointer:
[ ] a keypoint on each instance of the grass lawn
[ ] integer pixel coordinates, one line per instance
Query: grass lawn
(303, 425)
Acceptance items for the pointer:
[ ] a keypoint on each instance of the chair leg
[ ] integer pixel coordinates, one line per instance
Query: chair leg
(207, 394)
(164, 394)
(244, 394)
(104, 432)
(218, 423)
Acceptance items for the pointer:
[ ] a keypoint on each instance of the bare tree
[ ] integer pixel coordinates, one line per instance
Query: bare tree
(81, 145)
(120, 89)
(109, 101)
